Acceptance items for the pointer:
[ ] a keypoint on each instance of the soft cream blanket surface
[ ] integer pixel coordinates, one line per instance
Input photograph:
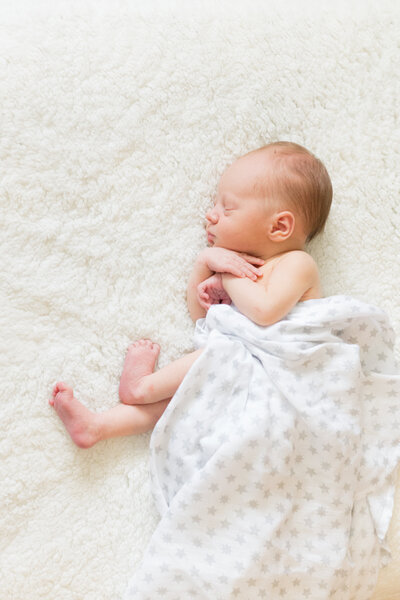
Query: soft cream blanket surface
(117, 121)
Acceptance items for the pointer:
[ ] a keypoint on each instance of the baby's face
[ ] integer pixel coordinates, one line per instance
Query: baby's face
(239, 218)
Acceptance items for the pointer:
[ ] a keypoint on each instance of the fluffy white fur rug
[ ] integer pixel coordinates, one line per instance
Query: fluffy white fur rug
(117, 122)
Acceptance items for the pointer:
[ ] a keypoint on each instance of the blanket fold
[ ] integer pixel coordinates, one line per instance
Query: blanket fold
(273, 465)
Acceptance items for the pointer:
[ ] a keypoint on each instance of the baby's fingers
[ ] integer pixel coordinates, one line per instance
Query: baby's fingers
(255, 260)
(247, 270)
(242, 272)
(204, 304)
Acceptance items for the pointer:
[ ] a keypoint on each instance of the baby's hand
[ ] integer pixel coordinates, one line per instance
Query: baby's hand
(211, 291)
(222, 260)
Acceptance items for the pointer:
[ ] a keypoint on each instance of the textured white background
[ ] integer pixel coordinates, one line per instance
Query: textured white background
(117, 121)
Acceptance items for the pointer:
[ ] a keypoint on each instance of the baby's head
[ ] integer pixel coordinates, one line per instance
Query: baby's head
(270, 200)
(295, 180)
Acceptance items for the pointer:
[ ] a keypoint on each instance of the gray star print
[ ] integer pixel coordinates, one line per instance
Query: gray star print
(273, 466)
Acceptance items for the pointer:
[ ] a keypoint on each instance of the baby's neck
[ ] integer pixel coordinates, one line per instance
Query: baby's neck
(271, 253)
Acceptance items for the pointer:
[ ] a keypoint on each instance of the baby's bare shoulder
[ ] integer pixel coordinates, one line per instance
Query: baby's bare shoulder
(299, 259)
(297, 268)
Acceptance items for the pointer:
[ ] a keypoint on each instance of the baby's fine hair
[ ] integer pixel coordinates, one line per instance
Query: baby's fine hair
(300, 179)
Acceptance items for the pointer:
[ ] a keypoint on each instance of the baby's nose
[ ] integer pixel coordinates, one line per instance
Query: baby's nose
(211, 215)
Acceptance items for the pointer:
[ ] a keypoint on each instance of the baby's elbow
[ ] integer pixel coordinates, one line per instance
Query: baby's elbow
(263, 322)
(261, 316)
(264, 316)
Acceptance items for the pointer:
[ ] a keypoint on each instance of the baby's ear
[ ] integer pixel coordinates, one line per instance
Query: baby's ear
(282, 226)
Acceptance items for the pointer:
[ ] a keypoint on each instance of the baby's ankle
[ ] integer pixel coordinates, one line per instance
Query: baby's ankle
(98, 428)
(141, 390)
(136, 392)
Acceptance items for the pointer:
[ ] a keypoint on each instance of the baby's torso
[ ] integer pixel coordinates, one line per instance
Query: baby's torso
(312, 293)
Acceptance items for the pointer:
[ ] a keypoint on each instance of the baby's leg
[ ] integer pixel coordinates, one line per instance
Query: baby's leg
(140, 385)
(86, 428)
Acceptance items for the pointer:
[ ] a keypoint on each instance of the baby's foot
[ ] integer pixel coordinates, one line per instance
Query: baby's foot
(140, 361)
(79, 421)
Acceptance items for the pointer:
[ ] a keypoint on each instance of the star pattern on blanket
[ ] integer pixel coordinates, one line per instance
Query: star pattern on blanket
(268, 470)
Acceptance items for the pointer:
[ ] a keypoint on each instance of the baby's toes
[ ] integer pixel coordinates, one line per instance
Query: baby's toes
(133, 345)
(63, 391)
(151, 345)
(145, 344)
(56, 389)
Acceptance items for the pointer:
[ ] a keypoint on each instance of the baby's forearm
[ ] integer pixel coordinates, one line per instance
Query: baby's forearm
(247, 296)
(200, 273)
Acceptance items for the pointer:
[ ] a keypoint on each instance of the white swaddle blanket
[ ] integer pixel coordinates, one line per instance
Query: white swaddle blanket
(273, 465)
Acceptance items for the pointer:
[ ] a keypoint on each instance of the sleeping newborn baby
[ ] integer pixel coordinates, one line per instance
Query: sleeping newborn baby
(269, 203)
(272, 467)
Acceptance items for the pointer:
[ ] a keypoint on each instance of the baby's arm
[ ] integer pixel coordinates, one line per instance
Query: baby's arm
(218, 260)
(200, 272)
(266, 304)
